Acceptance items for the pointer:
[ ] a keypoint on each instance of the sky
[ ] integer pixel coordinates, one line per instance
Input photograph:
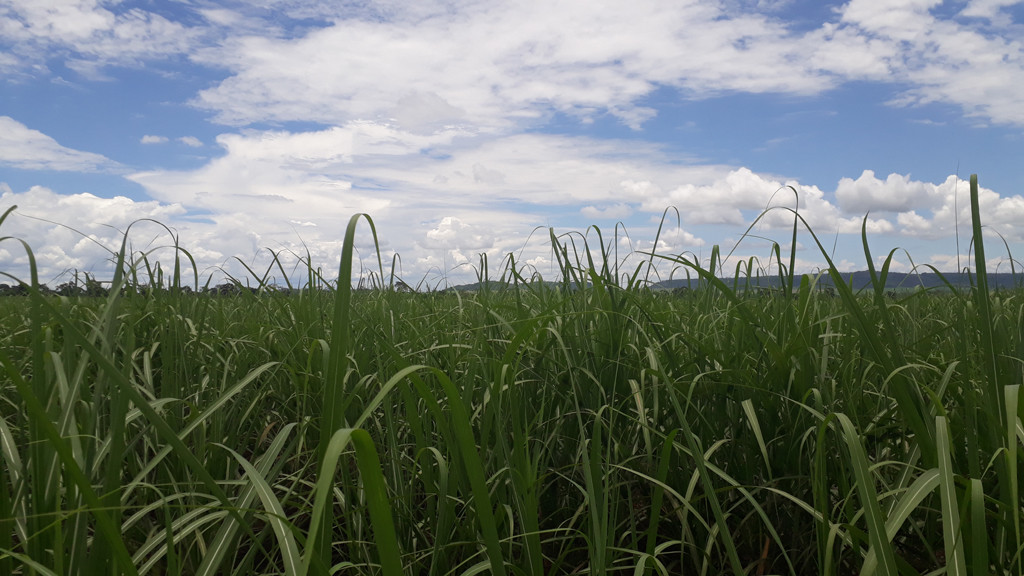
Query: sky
(469, 130)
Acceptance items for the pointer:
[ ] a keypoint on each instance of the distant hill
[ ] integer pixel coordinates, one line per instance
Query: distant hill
(858, 280)
(862, 279)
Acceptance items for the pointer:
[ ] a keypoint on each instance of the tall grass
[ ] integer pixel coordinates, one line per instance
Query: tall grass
(588, 425)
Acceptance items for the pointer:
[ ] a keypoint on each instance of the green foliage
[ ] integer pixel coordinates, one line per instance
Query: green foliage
(585, 425)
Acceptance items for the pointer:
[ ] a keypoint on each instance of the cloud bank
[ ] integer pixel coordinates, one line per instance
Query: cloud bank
(436, 119)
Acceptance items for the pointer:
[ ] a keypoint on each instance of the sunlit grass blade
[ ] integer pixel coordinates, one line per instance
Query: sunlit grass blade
(220, 544)
(376, 499)
(903, 508)
(979, 561)
(755, 427)
(1011, 404)
(275, 515)
(14, 473)
(203, 418)
(951, 529)
(658, 493)
(126, 387)
(868, 498)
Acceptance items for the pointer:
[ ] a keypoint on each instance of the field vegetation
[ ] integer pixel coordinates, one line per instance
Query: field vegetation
(583, 425)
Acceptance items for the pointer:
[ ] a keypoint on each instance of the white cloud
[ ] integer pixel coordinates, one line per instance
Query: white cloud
(527, 59)
(191, 141)
(89, 34)
(495, 67)
(442, 240)
(95, 230)
(452, 232)
(613, 212)
(672, 241)
(896, 194)
(718, 202)
(151, 139)
(988, 9)
(434, 194)
(8, 64)
(428, 194)
(1002, 214)
(944, 60)
(531, 59)
(28, 149)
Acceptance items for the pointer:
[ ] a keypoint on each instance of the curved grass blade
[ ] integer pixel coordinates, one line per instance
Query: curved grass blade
(463, 430)
(693, 442)
(275, 515)
(376, 500)
(869, 498)
(124, 386)
(924, 485)
(218, 548)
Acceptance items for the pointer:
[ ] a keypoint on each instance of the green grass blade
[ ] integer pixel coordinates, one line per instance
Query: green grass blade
(7, 526)
(697, 452)
(979, 535)
(275, 515)
(755, 427)
(951, 528)
(1010, 459)
(920, 489)
(376, 499)
(105, 525)
(218, 548)
(868, 498)
(658, 493)
(28, 561)
(463, 431)
(202, 419)
(126, 387)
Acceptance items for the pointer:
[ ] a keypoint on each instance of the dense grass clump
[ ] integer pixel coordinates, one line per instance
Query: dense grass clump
(587, 425)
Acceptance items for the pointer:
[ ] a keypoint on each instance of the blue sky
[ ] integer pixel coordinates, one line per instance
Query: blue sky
(461, 126)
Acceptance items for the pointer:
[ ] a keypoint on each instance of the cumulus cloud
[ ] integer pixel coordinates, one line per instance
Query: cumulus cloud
(490, 67)
(440, 192)
(897, 193)
(440, 239)
(718, 202)
(428, 194)
(28, 149)
(429, 114)
(92, 232)
(673, 241)
(453, 232)
(1002, 214)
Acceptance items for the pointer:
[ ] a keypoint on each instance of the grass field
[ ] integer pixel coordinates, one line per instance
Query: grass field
(584, 426)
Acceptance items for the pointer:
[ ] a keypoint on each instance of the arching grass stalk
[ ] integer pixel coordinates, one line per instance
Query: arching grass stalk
(336, 397)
